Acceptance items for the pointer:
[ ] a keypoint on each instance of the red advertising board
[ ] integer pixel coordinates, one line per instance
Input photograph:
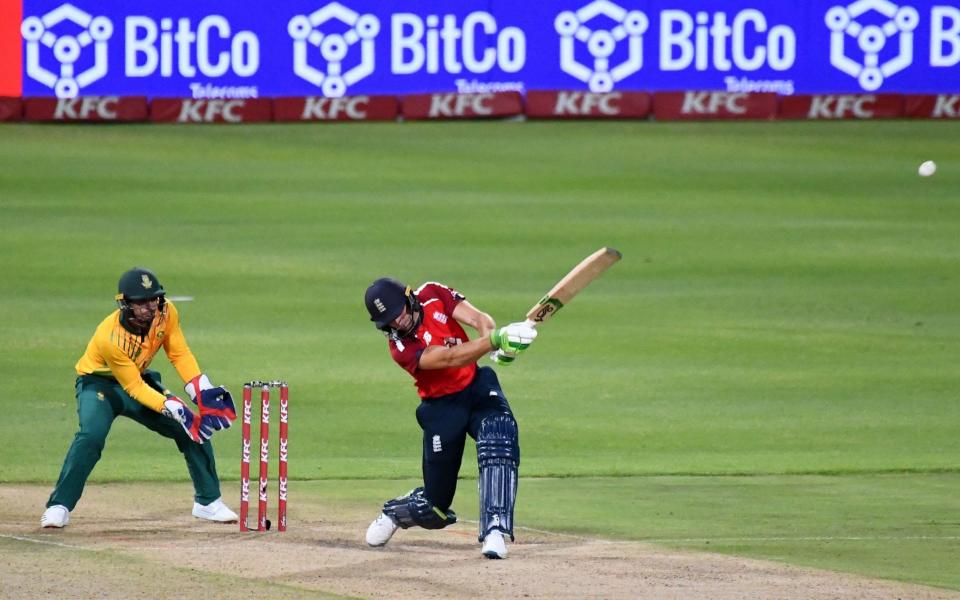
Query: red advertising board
(188, 110)
(347, 108)
(11, 109)
(943, 106)
(11, 57)
(461, 106)
(842, 106)
(672, 106)
(587, 105)
(86, 109)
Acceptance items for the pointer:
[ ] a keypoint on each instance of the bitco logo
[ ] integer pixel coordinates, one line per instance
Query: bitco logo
(418, 43)
(151, 47)
(66, 47)
(601, 43)
(305, 30)
(744, 41)
(897, 22)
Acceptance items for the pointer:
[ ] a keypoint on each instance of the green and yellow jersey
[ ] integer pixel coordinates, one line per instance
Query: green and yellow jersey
(117, 353)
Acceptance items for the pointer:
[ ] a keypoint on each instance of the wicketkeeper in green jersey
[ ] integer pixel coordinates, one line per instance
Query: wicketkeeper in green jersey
(113, 380)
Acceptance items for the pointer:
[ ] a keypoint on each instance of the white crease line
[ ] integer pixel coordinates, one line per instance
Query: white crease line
(47, 542)
(851, 538)
(865, 538)
(567, 535)
(71, 546)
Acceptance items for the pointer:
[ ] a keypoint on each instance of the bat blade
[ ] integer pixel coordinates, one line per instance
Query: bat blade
(572, 283)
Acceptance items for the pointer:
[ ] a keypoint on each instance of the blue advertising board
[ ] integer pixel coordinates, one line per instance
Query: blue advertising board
(206, 48)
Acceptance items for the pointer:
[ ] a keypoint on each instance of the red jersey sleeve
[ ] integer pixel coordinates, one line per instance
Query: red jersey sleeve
(433, 292)
(406, 352)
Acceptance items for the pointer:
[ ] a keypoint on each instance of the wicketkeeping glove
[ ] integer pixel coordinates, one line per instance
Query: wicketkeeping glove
(174, 408)
(215, 404)
(513, 339)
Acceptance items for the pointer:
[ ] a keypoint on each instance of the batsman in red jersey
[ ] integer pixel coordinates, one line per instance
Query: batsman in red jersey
(425, 334)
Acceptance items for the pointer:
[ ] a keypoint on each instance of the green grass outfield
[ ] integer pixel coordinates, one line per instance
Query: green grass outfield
(771, 371)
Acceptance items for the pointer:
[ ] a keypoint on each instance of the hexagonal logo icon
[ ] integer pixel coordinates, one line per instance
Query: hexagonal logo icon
(333, 29)
(627, 26)
(872, 24)
(66, 31)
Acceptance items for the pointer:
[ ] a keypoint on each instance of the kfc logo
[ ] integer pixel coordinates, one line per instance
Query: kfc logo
(601, 43)
(458, 105)
(209, 111)
(897, 23)
(66, 48)
(712, 103)
(578, 103)
(304, 29)
(86, 108)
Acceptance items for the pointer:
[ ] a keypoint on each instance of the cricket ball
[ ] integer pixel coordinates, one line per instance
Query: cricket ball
(927, 168)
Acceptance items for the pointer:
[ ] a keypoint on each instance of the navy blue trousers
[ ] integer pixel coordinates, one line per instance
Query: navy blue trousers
(446, 421)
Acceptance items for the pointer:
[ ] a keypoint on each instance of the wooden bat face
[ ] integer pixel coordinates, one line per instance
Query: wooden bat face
(578, 278)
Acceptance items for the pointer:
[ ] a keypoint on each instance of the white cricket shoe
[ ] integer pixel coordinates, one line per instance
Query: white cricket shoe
(216, 511)
(494, 546)
(381, 530)
(56, 516)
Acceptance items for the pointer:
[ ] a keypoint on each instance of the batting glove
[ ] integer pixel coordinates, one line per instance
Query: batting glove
(504, 359)
(514, 338)
(175, 409)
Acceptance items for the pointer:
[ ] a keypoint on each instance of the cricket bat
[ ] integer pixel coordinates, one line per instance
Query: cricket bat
(564, 291)
(572, 284)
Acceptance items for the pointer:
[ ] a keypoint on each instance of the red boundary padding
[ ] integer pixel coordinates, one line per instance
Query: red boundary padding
(347, 108)
(11, 109)
(932, 106)
(538, 104)
(695, 105)
(450, 105)
(210, 110)
(86, 109)
(569, 104)
(842, 106)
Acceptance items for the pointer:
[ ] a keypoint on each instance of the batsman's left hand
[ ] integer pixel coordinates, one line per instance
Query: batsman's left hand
(504, 359)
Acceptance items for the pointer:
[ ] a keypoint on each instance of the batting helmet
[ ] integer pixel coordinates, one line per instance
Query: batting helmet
(386, 299)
